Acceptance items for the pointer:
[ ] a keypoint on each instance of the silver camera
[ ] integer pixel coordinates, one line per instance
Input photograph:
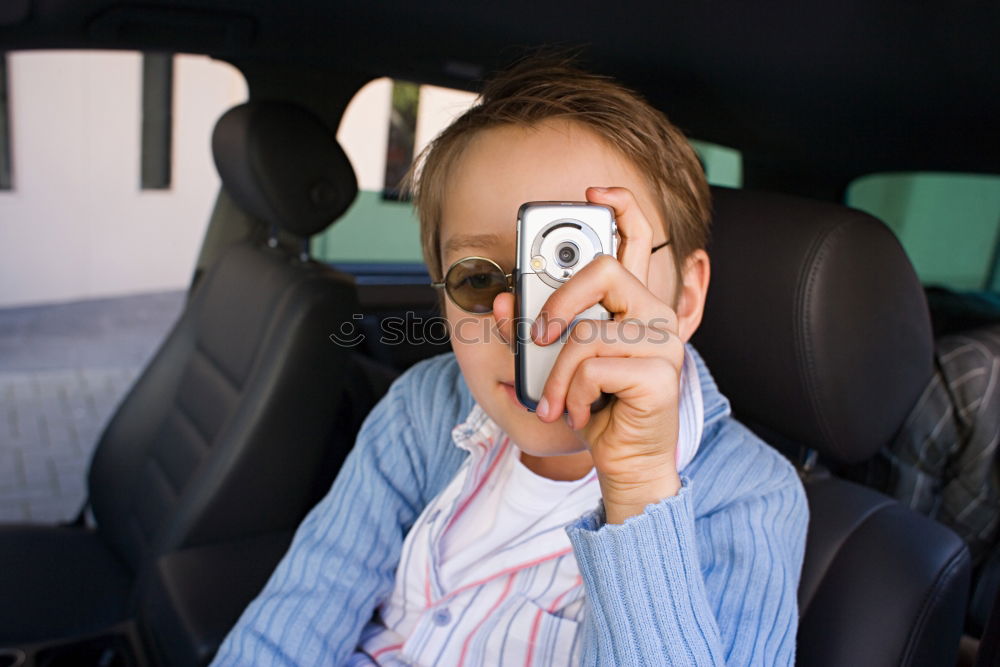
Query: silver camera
(555, 240)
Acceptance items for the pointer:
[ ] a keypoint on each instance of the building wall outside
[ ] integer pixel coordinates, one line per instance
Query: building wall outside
(76, 223)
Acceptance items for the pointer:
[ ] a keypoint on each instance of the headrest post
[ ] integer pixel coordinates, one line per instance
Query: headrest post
(304, 250)
(809, 459)
(272, 236)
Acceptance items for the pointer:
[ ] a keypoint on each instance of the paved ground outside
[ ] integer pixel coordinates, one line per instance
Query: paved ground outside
(63, 370)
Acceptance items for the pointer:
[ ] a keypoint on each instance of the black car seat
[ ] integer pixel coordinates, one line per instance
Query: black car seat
(817, 329)
(989, 648)
(222, 434)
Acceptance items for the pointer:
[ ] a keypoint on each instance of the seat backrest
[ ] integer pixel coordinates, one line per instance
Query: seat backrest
(942, 463)
(817, 330)
(221, 434)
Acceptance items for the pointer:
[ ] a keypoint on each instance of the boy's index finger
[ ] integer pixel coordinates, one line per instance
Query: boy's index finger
(635, 230)
(576, 295)
(601, 281)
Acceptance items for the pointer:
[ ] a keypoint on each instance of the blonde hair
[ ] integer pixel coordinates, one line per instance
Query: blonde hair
(536, 89)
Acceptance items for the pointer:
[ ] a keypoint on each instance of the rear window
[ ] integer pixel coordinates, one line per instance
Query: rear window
(723, 165)
(949, 224)
(385, 125)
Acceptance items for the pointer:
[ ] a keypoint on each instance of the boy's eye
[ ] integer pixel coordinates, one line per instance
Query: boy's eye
(479, 280)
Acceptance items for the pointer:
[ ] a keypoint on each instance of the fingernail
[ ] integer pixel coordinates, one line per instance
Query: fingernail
(569, 420)
(542, 409)
(594, 187)
(538, 328)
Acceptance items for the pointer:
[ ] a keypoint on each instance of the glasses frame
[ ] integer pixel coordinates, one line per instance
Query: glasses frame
(509, 277)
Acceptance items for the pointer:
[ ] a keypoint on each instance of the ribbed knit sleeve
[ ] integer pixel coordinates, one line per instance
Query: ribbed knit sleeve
(667, 588)
(342, 561)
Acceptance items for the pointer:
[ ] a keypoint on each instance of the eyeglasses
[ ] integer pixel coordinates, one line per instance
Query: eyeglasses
(472, 283)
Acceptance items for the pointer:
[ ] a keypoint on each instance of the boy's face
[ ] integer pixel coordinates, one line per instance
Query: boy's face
(501, 168)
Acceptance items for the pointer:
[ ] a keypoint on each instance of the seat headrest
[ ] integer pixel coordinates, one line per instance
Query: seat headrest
(283, 166)
(816, 326)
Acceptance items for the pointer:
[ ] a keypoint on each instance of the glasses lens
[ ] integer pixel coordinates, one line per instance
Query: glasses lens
(473, 284)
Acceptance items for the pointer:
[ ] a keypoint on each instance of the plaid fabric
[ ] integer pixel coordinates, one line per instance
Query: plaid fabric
(943, 462)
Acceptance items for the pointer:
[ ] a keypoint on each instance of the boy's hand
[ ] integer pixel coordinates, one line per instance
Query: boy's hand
(638, 357)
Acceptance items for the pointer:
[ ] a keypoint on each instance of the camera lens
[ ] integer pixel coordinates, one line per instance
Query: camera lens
(567, 253)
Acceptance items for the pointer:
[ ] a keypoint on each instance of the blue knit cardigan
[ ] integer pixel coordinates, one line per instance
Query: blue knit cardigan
(707, 577)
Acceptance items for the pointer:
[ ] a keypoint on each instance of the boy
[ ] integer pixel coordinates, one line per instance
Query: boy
(462, 528)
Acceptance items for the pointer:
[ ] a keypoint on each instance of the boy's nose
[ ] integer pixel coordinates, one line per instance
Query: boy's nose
(503, 317)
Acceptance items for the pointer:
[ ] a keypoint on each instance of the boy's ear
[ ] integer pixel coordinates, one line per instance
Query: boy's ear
(692, 292)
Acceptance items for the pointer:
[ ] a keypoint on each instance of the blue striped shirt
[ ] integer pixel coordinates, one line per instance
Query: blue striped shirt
(705, 577)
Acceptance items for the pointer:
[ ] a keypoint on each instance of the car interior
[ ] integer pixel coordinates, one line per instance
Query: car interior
(817, 327)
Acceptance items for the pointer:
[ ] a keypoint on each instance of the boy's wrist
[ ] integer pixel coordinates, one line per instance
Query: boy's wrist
(622, 501)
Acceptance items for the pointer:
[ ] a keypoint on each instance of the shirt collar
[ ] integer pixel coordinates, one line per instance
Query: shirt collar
(478, 428)
(716, 405)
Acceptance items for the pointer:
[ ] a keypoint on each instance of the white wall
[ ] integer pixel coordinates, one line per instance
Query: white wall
(364, 129)
(364, 132)
(77, 225)
(437, 108)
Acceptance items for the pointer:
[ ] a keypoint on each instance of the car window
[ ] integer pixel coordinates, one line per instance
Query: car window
(385, 125)
(103, 204)
(723, 165)
(949, 224)
(112, 179)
